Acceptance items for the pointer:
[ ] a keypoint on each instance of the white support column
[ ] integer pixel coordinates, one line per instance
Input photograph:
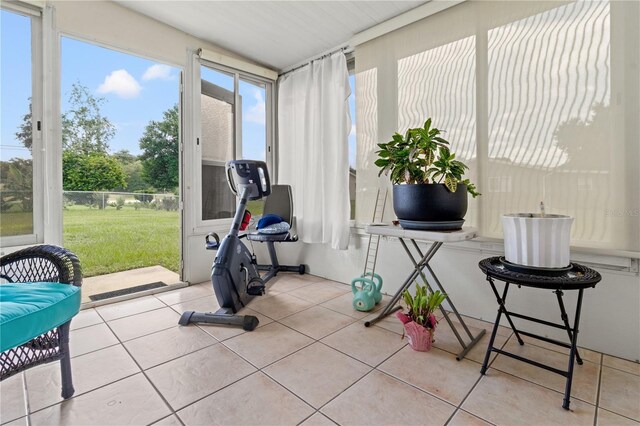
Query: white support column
(52, 134)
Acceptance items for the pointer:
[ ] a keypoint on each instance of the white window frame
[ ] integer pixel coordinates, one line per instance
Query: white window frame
(37, 108)
(200, 225)
(351, 69)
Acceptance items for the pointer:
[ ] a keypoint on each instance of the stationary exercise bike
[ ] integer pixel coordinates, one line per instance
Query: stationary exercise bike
(235, 277)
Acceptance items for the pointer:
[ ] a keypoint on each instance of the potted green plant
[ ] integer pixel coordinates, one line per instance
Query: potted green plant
(429, 191)
(419, 320)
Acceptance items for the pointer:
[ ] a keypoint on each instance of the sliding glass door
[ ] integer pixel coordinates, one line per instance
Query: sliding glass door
(21, 153)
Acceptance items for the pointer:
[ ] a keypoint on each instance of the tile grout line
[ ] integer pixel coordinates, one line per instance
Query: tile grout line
(561, 392)
(233, 383)
(146, 377)
(340, 393)
(216, 391)
(75, 395)
(619, 369)
(25, 395)
(141, 371)
(598, 408)
(475, 385)
(597, 411)
(300, 349)
(354, 383)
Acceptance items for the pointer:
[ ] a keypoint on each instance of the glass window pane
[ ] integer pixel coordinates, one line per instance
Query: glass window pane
(352, 146)
(16, 161)
(254, 120)
(253, 138)
(217, 112)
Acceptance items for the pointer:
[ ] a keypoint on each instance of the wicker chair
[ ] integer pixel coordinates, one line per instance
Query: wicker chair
(43, 263)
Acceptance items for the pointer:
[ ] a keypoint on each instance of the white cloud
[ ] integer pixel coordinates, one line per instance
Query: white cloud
(158, 71)
(353, 130)
(257, 113)
(121, 83)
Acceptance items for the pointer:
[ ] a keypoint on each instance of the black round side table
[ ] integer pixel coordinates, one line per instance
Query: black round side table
(578, 277)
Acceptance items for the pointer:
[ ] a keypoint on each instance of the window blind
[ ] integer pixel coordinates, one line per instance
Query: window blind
(540, 99)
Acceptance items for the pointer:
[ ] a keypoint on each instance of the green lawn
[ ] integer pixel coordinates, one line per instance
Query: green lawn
(113, 240)
(16, 223)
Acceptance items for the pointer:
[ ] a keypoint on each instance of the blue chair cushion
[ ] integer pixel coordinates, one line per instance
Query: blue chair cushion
(28, 310)
(269, 219)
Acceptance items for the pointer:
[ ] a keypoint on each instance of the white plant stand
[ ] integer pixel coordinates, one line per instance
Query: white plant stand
(420, 263)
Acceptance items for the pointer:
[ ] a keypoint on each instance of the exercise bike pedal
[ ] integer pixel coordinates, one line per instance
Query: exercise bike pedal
(212, 245)
(255, 287)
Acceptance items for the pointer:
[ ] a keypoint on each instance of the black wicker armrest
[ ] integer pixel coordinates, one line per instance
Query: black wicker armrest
(43, 263)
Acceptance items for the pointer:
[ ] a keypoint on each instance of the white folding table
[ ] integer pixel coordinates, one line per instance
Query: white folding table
(436, 238)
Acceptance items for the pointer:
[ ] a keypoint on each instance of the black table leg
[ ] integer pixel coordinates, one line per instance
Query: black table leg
(503, 309)
(496, 324)
(572, 353)
(565, 320)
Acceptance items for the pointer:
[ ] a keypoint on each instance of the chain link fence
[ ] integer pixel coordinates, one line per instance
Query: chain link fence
(119, 200)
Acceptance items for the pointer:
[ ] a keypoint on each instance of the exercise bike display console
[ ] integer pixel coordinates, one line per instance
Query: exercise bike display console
(234, 275)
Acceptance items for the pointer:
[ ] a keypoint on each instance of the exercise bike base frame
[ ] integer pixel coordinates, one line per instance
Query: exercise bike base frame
(276, 267)
(222, 316)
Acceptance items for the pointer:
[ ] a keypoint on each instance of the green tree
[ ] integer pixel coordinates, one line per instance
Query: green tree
(159, 144)
(91, 172)
(134, 181)
(17, 184)
(84, 129)
(24, 133)
(124, 157)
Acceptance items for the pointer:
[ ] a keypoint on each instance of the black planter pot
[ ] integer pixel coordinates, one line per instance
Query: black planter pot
(430, 206)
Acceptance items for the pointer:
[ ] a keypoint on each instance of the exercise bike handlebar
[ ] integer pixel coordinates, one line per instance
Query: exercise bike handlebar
(249, 174)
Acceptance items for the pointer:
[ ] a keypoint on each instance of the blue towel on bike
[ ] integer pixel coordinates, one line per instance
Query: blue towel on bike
(269, 219)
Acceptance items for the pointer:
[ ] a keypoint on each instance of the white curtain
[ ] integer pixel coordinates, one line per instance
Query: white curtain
(313, 127)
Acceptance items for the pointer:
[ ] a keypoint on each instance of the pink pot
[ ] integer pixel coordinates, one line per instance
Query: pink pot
(420, 338)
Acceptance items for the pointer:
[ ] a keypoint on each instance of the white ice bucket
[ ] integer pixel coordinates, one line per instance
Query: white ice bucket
(535, 240)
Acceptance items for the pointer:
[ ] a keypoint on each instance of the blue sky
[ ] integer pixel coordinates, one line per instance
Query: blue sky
(15, 80)
(132, 98)
(136, 90)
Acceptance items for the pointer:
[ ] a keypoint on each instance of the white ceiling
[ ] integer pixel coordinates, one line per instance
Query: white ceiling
(276, 34)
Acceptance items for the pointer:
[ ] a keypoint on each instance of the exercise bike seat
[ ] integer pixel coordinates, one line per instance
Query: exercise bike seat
(279, 203)
(257, 236)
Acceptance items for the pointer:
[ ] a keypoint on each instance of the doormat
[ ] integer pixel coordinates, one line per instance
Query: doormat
(122, 292)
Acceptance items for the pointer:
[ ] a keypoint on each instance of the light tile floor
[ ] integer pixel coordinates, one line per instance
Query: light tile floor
(312, 362)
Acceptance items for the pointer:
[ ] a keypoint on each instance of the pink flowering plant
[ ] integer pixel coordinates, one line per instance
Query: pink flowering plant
(421, 307)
